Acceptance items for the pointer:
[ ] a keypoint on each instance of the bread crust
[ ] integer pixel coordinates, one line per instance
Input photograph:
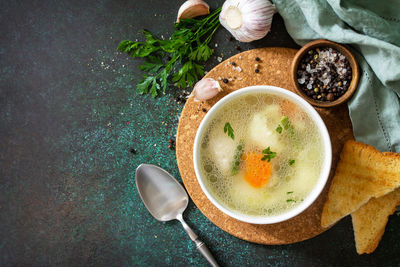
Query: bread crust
(369, 221)
(361, 174)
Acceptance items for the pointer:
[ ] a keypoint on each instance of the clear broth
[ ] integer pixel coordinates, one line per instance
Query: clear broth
(255, 119)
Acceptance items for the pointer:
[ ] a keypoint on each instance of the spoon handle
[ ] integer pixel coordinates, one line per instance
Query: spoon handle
(201, 247)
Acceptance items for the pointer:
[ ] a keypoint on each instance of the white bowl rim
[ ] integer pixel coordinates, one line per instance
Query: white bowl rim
(324, 175)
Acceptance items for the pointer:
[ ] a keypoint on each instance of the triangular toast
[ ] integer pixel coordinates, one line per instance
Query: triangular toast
(370, 220)
(362, 173)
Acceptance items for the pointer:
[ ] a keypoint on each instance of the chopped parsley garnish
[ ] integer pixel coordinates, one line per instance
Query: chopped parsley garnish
(279, 129)
(285, 124)
(268, 154)
(290, 192)
(237, 158)
(290, 200)
(229, 130)
(291, 162)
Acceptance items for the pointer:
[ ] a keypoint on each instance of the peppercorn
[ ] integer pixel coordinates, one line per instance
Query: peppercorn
(258, 59)
(204, 110)
(323, 82)
(256, 70)
(233, 64)
(225, 80)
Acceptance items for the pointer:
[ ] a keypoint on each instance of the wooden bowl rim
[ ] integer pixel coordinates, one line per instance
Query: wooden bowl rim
(352, 61)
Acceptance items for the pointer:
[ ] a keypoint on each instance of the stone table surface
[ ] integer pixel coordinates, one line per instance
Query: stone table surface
(70, 119)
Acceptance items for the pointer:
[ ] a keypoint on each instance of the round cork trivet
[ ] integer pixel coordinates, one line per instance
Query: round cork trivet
(274, 69)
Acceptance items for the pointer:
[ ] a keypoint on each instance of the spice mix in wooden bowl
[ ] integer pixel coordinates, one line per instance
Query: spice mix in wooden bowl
(325, 73)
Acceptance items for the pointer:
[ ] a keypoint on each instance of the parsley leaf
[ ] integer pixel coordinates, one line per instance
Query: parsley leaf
(268, 154)
(188, 74)
(142, 87)
(150, 67)
(285, 122)
(163, 78)
(176, 58)
(290, 200)
(286, 125)
(202, 53)
(279, 129)
(126, 46)
(290, 192)
(229, 130)
(154, 88)
(291, 162)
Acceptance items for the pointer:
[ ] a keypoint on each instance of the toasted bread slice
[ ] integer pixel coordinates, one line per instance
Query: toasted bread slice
(370, 220)
(362, 173)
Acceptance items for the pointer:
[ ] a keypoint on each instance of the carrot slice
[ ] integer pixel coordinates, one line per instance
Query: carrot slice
(257, 171)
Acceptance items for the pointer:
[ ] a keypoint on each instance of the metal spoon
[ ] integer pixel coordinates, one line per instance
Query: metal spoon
(166, 199)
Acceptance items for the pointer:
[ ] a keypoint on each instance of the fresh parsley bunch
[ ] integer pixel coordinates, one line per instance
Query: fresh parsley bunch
(177, 58)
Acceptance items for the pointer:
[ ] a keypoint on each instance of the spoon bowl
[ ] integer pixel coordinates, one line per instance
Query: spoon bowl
(166, 199)
(162, 195)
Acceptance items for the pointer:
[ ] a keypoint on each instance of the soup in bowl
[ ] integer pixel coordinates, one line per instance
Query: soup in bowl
(262, 154)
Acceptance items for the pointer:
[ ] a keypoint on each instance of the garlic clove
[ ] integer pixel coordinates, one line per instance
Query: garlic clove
(206, 89)
(193, 8)
(247, 20)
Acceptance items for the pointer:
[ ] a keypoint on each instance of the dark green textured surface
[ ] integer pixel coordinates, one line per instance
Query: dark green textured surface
(69, 115)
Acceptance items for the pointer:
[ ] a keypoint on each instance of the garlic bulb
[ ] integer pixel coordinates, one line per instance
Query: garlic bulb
(247, 20)
(205, 89)
(193, 8)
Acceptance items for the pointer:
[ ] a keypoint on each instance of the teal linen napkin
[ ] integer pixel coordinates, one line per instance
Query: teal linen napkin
(372, 29)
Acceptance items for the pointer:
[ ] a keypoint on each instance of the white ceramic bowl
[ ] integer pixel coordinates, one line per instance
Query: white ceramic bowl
(320, 184)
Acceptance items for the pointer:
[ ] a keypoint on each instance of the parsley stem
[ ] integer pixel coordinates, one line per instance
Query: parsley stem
(205, 20)
(212, 33)
(214, 24)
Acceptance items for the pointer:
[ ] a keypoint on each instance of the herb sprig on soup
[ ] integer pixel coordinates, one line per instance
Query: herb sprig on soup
(261, 154)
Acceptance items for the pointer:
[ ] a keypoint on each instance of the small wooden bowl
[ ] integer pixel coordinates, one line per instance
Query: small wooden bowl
(349, 56)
